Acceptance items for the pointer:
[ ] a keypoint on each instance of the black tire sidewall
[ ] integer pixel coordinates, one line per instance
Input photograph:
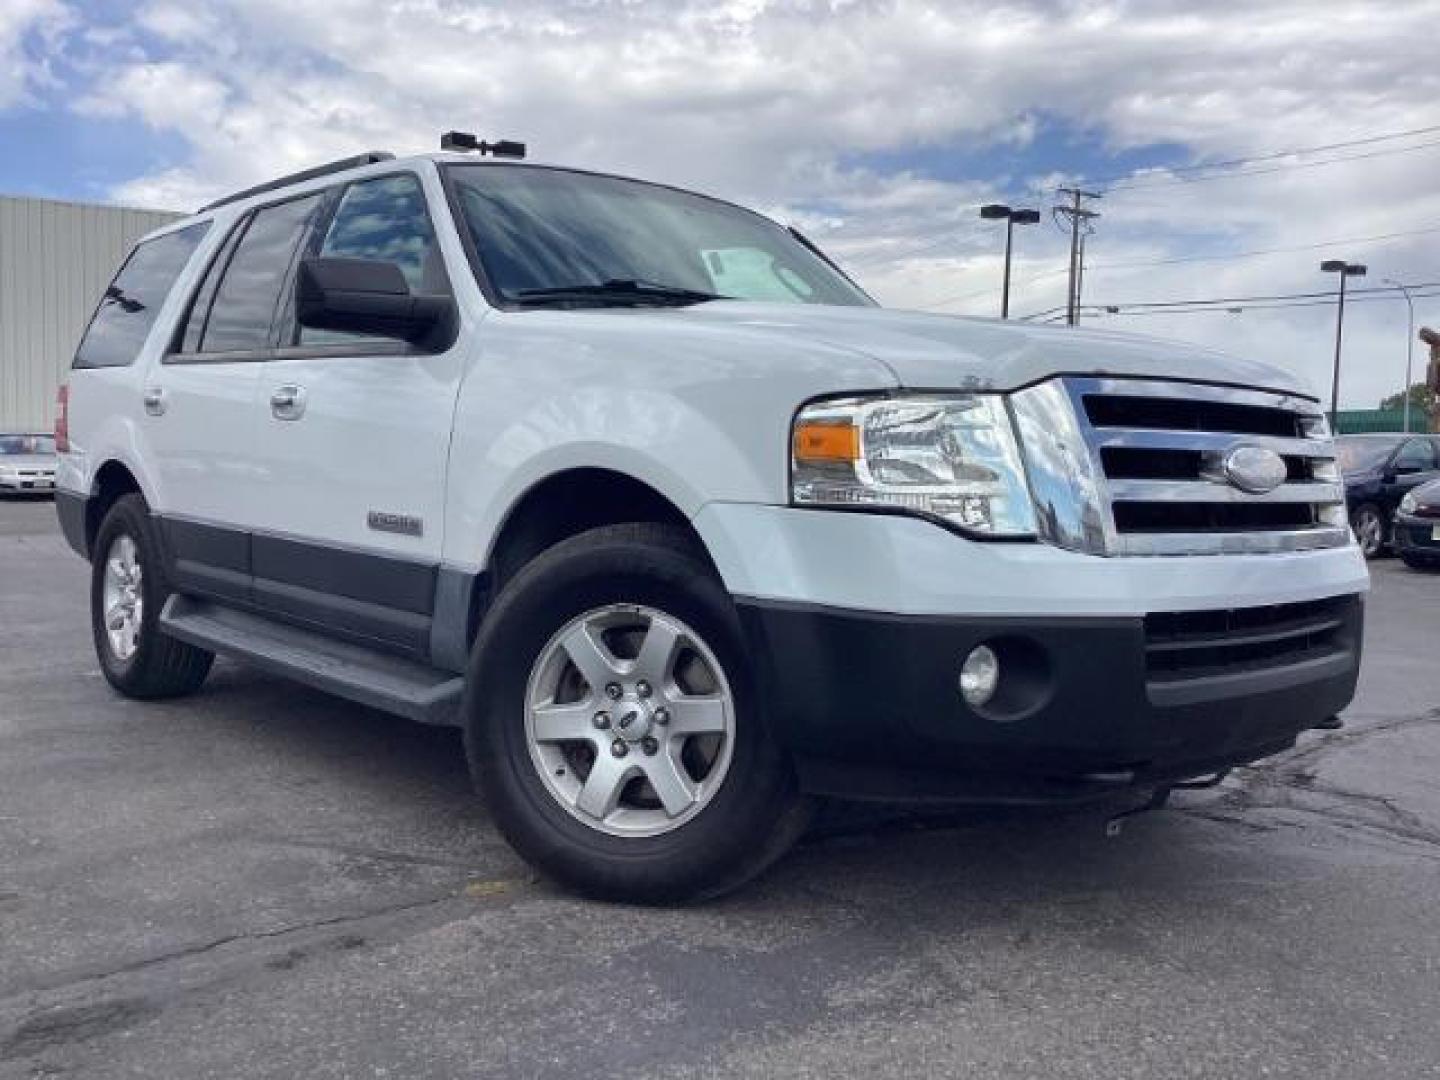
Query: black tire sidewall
(128, 516)
(1360, 511)
(610, 566)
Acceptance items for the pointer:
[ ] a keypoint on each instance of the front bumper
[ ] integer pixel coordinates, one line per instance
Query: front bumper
(869, 704)
(858, 624)
(1417, 536)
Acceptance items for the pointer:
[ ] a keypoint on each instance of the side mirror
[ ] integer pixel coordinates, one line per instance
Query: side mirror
(366, 296)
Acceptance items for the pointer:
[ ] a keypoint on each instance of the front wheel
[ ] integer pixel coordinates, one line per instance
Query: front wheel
(1369, 528)
(613, 726)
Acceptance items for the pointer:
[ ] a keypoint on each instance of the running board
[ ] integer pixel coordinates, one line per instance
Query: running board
(367, 676)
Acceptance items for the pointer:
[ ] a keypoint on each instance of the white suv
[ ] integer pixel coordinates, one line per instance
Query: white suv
(638, 488)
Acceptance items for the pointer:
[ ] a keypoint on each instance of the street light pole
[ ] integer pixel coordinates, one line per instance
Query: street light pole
(1409, 349)
(1345, 270)
(994, 212)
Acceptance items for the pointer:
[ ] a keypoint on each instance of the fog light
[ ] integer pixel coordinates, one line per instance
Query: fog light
(979, 675)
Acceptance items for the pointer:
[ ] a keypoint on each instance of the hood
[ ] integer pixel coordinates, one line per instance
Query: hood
(926, 351)
(27, 461)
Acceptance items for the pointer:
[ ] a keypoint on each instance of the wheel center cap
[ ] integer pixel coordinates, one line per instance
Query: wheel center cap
(633, 719)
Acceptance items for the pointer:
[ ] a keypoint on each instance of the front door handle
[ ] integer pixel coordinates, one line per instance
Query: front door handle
(155, 400)
(288, 402)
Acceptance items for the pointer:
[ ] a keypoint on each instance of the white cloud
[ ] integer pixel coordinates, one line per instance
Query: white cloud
(766, 101)
(19, 70)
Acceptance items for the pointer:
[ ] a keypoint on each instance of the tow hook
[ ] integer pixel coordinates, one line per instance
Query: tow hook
(1159, 797)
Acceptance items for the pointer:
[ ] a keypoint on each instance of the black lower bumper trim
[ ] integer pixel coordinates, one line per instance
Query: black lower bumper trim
(869, 706)
(1416, 536)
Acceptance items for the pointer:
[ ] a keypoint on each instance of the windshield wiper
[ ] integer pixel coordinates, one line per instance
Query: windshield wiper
(616, 291)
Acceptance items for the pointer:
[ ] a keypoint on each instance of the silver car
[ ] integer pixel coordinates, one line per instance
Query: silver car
(27, 463)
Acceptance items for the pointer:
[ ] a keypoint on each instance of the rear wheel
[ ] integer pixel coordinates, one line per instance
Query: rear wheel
(127, 591)
(612, 723)
(1369, 526)
(1419, 562)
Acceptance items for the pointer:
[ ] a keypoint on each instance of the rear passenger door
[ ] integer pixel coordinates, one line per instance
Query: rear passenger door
(353, 442)
(200, 399)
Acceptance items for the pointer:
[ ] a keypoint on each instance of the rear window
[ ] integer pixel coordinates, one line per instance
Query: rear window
(128, 309)
(26, 445)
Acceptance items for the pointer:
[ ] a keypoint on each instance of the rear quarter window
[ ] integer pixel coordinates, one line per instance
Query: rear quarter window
(128, 310)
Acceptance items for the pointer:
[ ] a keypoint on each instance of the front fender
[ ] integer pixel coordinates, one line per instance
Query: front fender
(649, 436)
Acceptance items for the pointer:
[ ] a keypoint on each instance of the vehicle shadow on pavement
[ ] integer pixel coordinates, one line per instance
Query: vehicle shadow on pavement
(369, 755)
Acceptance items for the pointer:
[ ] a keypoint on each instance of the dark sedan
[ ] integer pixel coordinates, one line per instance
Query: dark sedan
(1417, 527)
(1379, 470)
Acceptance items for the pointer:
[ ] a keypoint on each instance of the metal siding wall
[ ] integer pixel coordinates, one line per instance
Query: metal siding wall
(55, 260)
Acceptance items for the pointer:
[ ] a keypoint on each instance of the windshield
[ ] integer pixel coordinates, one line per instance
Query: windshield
(549, 229)
(16, 445)
(1361, 455)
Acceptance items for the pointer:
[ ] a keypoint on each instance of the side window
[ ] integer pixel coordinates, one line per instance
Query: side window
(130, 305)
(384, 219)
(243, 307)
(205, 296)
(1418, 454)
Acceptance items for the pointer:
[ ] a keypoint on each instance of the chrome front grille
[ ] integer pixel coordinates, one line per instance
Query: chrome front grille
(1138, 467)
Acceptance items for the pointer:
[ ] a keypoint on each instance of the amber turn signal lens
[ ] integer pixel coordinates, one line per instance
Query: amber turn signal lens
(827, 442)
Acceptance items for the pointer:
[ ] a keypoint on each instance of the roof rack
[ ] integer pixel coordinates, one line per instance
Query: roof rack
(370, 157)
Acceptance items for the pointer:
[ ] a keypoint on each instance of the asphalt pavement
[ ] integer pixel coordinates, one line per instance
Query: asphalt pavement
(260, 881)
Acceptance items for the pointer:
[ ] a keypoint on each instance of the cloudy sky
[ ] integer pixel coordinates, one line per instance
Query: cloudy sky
(876, 125)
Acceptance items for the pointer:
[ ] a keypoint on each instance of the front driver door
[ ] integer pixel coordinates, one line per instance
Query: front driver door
(353, 443)
(1413, 464)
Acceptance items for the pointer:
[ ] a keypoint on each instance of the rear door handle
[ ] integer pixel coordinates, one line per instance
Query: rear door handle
(287, 402)
(155, 400)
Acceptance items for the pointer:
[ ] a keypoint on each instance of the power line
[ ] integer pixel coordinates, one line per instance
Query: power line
(1145, 183)
(1178, 175)
(1220, 303)
(1177, 260)
(879, 258)
(1231, 301)
(1262, 251)
(1236, 309)
(1275, 155)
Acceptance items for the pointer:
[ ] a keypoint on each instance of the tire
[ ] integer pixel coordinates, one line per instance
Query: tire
(144, 662)
(1419, 562)
(640, 583)
(1368, 525)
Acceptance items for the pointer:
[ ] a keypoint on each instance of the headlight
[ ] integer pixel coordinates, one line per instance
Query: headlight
(1409, 503)
(954, 457)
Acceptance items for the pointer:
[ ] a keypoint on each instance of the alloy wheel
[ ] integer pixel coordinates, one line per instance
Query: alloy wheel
(629, 720)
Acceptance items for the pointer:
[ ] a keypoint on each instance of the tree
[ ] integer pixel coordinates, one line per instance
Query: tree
(1422, 400)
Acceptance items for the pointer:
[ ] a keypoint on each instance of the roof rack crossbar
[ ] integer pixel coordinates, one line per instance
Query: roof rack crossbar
(370, 157)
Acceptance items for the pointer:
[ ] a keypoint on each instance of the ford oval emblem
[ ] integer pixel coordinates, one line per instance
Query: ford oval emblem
(1256, 469)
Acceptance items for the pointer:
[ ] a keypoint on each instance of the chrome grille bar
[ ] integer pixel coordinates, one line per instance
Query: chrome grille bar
(1210, 441)
(1209, 491)
(1076, 497)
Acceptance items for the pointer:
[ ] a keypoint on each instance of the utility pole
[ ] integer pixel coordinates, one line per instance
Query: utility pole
(1077, 214)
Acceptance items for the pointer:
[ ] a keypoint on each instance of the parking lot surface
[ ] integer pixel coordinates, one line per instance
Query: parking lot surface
(264, 882)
